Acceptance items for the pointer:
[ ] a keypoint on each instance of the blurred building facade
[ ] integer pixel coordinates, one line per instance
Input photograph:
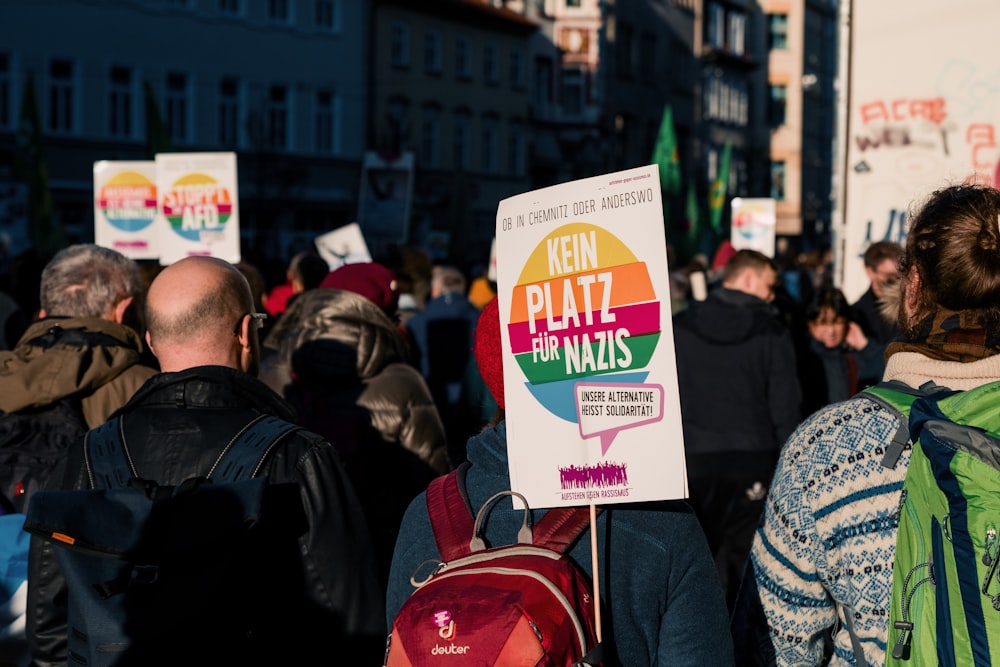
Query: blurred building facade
(802, 72)
(491, 97)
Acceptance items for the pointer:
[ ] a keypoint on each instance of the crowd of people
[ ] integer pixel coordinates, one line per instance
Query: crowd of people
(388, 400)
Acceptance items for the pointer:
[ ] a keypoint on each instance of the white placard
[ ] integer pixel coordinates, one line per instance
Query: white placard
(753, 225)
(344, 245)
(125, 207)
(199, 206)
(590, 377)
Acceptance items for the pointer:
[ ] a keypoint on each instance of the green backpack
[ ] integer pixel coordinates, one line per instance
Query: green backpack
(945, 606)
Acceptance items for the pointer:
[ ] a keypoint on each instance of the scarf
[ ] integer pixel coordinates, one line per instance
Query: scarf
(947, 335)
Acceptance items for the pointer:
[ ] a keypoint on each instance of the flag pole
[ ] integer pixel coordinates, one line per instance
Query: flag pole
(593, 566)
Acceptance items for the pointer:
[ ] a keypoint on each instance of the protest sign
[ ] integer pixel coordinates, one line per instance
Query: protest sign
(198, 201)
(125, 207)
(590, 377)
(754, 223)
(344, 245)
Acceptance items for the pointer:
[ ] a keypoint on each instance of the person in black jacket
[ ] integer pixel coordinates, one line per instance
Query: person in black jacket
(882, 268)
(740, 396)
(202, 327)
(833, 352)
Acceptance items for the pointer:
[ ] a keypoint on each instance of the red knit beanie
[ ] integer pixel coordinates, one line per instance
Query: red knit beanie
(489, 356)
(369, 279)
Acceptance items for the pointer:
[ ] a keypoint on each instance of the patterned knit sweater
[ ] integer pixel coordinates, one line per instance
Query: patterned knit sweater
(828, 539)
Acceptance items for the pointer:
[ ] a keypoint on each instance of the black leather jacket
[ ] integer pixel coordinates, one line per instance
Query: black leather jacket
(175, 427)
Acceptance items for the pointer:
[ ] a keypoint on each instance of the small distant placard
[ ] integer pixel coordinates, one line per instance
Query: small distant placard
(344, 245)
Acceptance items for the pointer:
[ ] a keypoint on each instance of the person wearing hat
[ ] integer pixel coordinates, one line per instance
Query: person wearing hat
(339, 358)
(657, 580)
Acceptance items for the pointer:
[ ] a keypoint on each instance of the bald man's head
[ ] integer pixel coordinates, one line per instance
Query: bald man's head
(192, 307)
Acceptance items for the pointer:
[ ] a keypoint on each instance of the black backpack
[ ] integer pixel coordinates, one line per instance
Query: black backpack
(180, 574)
(32, 442)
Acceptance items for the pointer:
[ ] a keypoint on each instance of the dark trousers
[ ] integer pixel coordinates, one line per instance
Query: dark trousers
(729, 508)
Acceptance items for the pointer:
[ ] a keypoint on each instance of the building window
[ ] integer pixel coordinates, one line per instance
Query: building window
(177, 101)
(62, 98)
(461, 141)
(491, 66)
(778, 180)
(713, 96)
(6, 90)
(277, 117)
(715, 33)
(544, 86)
(399, 44)
(515, 150)
(327, 122)
(433, 55)
(279, 12)
(516, 70)
(647, 57)
(328, 15)
(737, 27)
(430, 137)
(463, 59)
(398, 122)
(574, 3)
(625, 51)
(121, 96)
(229, 112)
(779, 100)
(489, 148)
(778, 35)
(571, 92)
(231, 7)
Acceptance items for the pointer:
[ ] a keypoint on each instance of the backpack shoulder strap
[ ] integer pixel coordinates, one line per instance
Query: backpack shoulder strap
(245, 454)
(897, 397)
(108, 462)
(450, 514)
(454, 524)
(559, 527)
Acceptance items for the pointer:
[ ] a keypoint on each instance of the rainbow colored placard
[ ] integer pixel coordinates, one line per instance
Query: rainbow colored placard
(125, 207)
(598, 316)
(198, 205)
(590, 384)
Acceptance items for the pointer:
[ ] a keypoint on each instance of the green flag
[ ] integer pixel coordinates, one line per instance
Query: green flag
(717, 193)
(44, 230)
(665, 155)
(157, 134)
(693, 216)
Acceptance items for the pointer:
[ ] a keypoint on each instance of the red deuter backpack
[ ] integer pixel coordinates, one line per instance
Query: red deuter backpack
(521, 604)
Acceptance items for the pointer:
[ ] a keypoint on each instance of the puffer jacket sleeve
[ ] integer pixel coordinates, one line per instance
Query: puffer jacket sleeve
(403, 411)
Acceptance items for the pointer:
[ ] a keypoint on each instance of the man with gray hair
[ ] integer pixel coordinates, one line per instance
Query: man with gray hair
(69, 371)
(84, 346)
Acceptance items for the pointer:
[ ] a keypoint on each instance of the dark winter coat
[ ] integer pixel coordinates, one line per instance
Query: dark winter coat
(341, 364)
(739, 390)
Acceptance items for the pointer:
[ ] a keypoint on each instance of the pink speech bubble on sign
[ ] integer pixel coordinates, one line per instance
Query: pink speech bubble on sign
(604, 409)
